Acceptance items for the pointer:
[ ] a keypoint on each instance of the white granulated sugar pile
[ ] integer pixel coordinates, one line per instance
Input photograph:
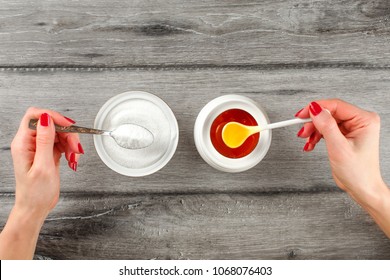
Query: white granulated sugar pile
(143, 113)
(131, 136)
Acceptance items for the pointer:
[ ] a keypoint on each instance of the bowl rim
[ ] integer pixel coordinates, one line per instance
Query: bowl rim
(159, 164)
(203, 124)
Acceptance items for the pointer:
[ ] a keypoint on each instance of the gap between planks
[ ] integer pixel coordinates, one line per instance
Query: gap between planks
(168, 67)
(316, 190)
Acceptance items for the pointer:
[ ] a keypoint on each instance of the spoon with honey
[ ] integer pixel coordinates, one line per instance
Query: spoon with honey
(234, 134)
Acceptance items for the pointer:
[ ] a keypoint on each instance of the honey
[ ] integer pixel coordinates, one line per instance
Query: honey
(233, 115)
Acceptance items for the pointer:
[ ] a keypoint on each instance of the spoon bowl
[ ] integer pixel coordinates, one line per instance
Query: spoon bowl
(132, 136)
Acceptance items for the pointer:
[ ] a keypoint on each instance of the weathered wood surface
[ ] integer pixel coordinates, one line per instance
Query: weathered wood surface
(72, 56)
(224, 226)
(283, 33)
(80, 95)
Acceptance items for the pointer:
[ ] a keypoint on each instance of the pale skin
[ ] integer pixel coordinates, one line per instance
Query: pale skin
(350, 133)
(36, 157)
(352, 140)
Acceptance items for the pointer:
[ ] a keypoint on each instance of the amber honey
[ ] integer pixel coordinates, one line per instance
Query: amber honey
(233, 115)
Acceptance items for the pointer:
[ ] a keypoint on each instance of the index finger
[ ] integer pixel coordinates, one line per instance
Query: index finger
(339, 109)
(35, 113)
(24, 137)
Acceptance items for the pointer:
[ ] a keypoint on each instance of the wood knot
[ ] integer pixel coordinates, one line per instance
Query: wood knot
(292, 255)
(159, 29)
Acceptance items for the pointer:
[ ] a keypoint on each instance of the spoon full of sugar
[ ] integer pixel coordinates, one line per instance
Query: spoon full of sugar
(234, 134)
(128, 136)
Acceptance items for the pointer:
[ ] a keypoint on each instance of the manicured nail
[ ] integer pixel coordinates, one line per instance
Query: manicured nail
(69, 120)
(297, 114)
(72, 158)
(300, 131)
(81, 150)
(311, 138)
(315, 109)
(74, 166)
(44, 119)
(72, 161)
(306, 147)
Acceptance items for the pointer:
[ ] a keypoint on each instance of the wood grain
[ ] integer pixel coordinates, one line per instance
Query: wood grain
(80, 95)
(277, 34)
(224, 226)
(72, 56)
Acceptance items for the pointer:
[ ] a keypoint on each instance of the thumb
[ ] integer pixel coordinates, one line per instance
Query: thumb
(328, 127)
(45, 141)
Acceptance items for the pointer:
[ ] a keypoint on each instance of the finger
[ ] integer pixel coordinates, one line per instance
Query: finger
(73, 161)
(311, 142)
(70, 155)
(44, 141)
(57, 155)
(72, 140)
(35, 113)
(328, 127)
(315, 137)
(56, 139)
(306, 130)
(67, 148)
(23, 151)
(303, 113)
(60, 147)
(339, 109)
(308, 147)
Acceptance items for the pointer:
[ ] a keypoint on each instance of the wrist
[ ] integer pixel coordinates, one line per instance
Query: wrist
(28, 217)
(20, 234)
(376, 200)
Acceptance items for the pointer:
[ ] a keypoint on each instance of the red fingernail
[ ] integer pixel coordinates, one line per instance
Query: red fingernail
(72, 161)
(44, 119)
(311, 138)
(81, 150)
(306, 147)
(74, 166)
(315, 109)
(300, 131)
(297, 114)
(72, 158)
(69, 120)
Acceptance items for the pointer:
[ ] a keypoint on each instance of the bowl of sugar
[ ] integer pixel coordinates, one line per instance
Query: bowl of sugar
(144, 110)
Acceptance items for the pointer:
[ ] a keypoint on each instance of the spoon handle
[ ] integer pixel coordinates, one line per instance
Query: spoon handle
(72, 129)
(285, 123)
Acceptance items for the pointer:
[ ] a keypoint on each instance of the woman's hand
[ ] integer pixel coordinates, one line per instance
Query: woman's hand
(352, 140)
(36, 157)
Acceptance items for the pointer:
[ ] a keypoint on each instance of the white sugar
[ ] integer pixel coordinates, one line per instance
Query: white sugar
(144, 114)
(131, 136)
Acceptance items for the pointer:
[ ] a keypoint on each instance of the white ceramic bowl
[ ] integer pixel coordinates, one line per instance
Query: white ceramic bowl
(202, 133)
(149, 111)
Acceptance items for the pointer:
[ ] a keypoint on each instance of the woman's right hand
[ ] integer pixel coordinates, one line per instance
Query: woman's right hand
(352, 140)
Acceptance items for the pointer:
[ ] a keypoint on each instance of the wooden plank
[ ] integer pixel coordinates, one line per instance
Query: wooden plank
(80, 94)
(281, 34)
(224, 226)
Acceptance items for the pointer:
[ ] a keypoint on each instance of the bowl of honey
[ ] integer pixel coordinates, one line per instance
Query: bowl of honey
(208, 133)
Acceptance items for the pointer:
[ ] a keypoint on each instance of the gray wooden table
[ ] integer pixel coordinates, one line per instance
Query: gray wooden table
(73, 56)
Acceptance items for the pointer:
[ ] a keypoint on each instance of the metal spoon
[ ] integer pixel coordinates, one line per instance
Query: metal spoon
(128, 136)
